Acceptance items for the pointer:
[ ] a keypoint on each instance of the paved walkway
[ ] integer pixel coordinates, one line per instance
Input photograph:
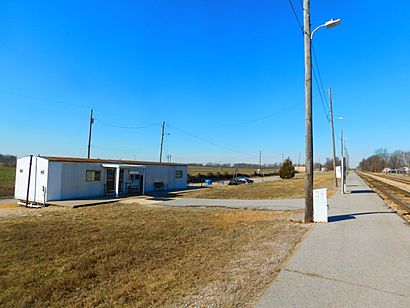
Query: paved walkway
(361, 258)
(285, 204)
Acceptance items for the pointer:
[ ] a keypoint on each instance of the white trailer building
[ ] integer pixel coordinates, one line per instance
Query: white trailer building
(65, 178)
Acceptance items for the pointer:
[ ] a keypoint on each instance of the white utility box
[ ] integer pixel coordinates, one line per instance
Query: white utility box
(338, 172)
(320, 205)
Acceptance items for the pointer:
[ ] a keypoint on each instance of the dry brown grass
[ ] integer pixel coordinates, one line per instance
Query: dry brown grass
(281, 189)
(140, 255)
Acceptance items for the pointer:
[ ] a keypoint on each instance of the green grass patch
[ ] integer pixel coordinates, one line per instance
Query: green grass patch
(7, 178)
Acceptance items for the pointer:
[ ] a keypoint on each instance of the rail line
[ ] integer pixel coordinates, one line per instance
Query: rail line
(394, 178)
(399, 196)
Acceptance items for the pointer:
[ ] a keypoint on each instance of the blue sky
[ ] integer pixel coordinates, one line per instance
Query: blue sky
(226, 76)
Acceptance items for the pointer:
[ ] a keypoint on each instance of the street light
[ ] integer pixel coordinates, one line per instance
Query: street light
(308, 36)
(328, 24)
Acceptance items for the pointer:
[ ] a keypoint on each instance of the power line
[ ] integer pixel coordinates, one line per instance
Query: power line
(209, 142)
(321, 97)
(319, 75)
(126, 127)
(248, 121)
(296, 15)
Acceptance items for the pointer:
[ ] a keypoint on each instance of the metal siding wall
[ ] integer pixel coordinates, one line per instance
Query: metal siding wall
(37, 180)
(20, 188)
(54, 181)
(165, 174)
(74, 184)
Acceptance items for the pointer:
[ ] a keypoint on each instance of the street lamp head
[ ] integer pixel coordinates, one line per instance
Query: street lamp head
(332, 23)
(328, 24)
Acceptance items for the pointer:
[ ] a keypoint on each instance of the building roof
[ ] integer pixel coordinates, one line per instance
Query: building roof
(109, 161)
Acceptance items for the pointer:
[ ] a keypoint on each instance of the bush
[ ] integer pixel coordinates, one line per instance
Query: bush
(287, 171)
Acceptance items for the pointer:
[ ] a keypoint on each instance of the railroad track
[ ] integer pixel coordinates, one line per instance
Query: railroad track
(399, 196)
(394, 178)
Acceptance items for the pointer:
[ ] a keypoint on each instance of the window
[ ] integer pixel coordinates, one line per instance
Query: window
(21, 170)
(42, 171)
(178, 174)
(92, 176)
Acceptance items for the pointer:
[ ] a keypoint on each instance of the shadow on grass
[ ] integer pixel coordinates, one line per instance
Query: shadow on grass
(170, 195)
(353, 216)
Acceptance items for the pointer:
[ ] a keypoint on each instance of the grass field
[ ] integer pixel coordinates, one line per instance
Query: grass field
(141, 255)
(195, 170)
(280, 189)
(7, 176)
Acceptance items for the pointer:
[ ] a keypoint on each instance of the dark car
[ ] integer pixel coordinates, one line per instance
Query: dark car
(240, 180)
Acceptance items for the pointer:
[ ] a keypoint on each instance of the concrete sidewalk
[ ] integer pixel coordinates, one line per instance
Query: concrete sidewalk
(361, 258)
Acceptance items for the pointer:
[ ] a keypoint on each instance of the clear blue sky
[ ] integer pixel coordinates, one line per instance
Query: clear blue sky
(226, 75)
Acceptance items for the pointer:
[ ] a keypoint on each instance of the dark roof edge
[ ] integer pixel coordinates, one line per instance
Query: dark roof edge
(107, 161)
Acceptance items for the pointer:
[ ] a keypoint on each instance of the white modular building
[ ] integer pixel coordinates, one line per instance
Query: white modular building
(46, 178)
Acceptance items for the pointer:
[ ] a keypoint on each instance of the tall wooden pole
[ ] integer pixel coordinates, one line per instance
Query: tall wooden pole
(342, 164)
(333, 134)
(162, 141)
(308, 114)
(89, 134)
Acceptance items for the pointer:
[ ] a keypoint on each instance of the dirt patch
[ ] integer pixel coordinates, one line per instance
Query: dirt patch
(142, 255)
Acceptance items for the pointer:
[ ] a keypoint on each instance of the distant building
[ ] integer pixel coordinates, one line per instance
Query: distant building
(64, 178)
(300, 168)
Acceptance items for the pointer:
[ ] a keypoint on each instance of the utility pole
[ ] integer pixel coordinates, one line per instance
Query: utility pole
(260, 162)
(299, 163)
(308, 114)
(89, 133)
(162, 141)
(342, 164)
(333, 133)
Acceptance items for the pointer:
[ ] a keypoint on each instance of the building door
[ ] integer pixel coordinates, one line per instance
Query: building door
(110, 181)
(121, 188)
(135, 185)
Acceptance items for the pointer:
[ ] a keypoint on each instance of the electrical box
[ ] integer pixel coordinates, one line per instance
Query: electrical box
(338, 172)
(320, 209)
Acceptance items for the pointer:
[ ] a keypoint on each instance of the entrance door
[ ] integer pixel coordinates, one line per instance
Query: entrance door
(121, 188)
(136, 181)
(110, 181)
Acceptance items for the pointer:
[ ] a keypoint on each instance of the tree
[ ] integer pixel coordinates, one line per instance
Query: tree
(329, 163)
(396, 160)
(287, 171)
(382, 153)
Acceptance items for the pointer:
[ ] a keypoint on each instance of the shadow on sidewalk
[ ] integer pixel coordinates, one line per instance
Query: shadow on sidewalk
(362, 191)
(353, 216)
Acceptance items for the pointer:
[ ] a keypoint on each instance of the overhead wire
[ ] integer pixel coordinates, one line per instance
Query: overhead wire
(321, 88)
(125, 127)
(316, 71)
(247, 121)
(208, 141)
(296, 15)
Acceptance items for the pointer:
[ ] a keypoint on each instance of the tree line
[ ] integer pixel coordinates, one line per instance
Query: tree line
(8, 160)
(381, 159)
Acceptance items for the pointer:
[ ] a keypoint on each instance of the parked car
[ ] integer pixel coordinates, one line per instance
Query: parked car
(240, 180)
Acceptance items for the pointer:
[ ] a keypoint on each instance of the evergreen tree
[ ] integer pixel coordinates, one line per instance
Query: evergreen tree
(287, 171)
